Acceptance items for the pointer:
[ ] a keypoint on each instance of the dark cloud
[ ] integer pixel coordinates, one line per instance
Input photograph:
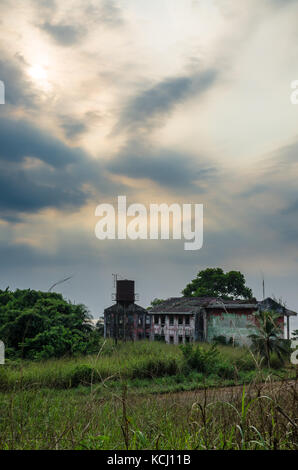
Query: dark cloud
(62, 33)
(22, 192)
(55, 177)
(149, 106)
(164, 167)
(18, 89)
(276, 181)
(20, 139)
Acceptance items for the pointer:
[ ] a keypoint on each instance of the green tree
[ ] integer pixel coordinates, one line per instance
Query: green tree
(268, 337)
(39, 325)
(155, 302)
(213, 282)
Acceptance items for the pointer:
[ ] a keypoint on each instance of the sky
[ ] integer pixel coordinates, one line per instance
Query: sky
(184, 101)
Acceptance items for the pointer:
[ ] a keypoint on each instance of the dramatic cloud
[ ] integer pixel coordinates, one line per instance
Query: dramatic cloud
(166, 101)
(18, 89)
(147, 107)
(167, 168)
(20, 139)
(38, 170)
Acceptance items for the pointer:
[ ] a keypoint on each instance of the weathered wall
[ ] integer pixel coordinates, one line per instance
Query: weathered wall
(235, 325)
(130, 325)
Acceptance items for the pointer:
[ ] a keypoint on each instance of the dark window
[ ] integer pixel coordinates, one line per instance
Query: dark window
(180, 339)
(171, 339)
(180, 320)
(156, 318)
(186, 320)
(163, 319)
(171, 320)
(187, 339)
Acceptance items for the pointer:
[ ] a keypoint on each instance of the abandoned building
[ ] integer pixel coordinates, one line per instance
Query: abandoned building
(186, 319)
(125, 319)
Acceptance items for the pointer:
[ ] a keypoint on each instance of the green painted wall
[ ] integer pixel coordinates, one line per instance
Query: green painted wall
(235, 325)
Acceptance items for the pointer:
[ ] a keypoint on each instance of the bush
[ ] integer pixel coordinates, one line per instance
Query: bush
(156, 368)
(246, 362)
(225, 370)
(198, 358)
(81, 375)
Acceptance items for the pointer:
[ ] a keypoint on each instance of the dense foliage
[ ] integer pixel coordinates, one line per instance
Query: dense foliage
(40, 325)
(213, 282)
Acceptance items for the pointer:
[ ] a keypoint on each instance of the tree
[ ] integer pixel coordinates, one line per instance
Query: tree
(268, 339)
(39, 325)
(213, 282)
(155, 302)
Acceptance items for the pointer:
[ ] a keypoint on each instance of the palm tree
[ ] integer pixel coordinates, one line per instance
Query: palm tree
(268, 337)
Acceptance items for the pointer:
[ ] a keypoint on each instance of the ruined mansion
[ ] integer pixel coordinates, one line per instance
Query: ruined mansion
(186, 319)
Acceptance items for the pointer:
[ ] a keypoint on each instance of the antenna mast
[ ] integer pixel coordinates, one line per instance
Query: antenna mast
(263, 285)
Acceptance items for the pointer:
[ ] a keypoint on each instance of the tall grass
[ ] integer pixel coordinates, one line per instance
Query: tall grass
(95, 402)
(259, 416)
(129, 361)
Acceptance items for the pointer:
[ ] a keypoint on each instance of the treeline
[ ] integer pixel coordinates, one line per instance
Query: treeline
(42, 325)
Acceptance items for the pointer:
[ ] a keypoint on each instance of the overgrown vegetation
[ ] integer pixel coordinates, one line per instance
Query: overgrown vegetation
(257, 416)
(64, 387)
(268, 337)
(142, 360)
(40, 325)
(77, 403)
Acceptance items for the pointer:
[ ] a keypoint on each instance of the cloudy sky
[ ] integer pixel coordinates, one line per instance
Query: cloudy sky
(183, 101)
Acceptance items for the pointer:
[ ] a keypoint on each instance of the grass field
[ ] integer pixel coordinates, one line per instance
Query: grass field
(139, 396)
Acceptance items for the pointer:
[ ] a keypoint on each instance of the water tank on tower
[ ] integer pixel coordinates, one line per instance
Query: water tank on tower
(125, 291)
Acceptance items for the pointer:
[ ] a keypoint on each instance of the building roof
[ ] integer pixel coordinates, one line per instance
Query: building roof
(131, 308)
(194, 304)
(188, 305)
(271, 304)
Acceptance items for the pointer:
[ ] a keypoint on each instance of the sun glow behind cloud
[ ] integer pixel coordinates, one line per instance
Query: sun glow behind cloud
(121, 80)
